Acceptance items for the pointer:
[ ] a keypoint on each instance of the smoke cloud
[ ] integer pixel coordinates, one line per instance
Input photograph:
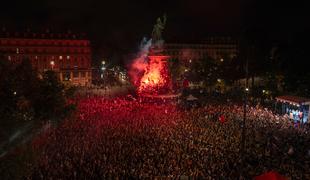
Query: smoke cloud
(140, 63)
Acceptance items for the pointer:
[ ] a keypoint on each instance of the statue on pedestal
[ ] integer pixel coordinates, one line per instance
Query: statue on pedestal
(157, 39)
(158, 28)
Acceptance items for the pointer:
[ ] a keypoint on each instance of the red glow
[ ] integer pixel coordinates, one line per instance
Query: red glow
(137, 69)
(150, 75)
(155, 78)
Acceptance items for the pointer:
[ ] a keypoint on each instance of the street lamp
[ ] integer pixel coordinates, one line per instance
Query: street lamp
(52, 64)
(103, 68)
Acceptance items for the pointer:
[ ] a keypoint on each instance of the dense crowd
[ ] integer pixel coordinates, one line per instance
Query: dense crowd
(122, 137)
(107, 91)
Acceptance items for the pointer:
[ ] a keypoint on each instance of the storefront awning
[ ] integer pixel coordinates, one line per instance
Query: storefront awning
(295, 100)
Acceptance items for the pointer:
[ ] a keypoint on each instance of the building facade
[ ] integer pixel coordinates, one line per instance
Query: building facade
(217, 48)
(65, 54)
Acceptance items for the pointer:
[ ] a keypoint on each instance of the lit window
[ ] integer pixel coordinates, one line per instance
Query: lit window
(17, 51)
(66, 76)
(60, 57)
(68, 57)
(9, 58)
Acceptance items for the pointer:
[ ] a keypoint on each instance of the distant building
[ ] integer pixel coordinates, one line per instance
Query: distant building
(66, 54)
(217, 48)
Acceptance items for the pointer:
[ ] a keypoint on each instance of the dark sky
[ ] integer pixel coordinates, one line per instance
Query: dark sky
(121, 25)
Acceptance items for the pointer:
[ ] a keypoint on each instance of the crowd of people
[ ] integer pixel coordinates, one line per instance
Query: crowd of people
(127, 137)
(107, 91)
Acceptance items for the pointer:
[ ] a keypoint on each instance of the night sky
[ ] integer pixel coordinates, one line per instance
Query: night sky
(118, 26)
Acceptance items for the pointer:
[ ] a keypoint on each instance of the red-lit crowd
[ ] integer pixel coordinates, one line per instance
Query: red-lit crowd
(129, 138)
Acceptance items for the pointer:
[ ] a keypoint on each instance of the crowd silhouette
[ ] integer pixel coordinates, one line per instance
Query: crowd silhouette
(126, 137)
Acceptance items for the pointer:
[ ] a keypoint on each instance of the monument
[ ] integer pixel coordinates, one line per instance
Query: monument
(157, 40)
(156, 81)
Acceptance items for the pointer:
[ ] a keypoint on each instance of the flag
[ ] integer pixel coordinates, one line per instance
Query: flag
(222, 119)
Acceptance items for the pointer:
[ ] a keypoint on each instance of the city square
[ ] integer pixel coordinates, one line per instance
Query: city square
(162, 90)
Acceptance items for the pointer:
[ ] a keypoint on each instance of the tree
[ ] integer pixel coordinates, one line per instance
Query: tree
(50, 102)
(25, 97)
(176, 69)
(18, 86)
(209, 71)
(26, 102)
(291, 64)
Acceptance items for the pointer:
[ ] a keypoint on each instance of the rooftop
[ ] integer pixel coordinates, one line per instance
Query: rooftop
(294, 100)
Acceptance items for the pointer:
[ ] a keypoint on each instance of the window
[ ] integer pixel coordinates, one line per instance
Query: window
(83, 74)
(60, 57)
(68, 64)
(66, 76)
(75, 74)
(46, 63)
(68, 57)
(61, 64)
(83, 64)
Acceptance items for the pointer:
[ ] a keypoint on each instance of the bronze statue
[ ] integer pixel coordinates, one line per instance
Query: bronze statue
(158, 29)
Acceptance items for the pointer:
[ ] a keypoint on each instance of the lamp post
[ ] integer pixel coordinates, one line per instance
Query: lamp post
(243, 133)
(244, 122)
(52, 64)
(103, 68)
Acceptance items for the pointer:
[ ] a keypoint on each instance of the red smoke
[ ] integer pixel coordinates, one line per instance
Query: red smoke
(150, 77)
(150, 73)
(137, 69)
(155, 77)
